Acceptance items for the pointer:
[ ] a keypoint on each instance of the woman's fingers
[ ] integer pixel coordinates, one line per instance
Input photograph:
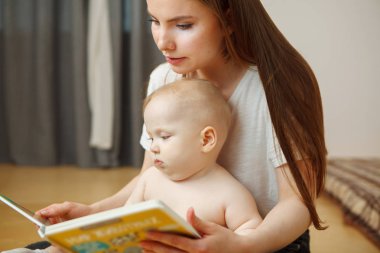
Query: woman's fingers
(156, 247)
(54, 210)
(165, 242)
(203, 227)
(63, 211)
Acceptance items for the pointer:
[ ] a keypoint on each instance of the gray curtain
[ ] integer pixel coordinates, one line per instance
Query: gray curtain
(140, 56)
(44, 109)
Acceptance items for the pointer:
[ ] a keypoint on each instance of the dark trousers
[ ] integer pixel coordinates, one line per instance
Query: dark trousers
(300, 245)
(38, 245)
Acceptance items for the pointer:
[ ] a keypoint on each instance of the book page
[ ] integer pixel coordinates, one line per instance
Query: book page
(24, 211)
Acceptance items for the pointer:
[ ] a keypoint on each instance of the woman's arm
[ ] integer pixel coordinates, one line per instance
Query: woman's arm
(121, 197)
(70, 210)
(286, 221)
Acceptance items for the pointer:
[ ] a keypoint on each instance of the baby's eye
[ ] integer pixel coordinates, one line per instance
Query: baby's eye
(165, 137)
(150, 139)
(184, 26)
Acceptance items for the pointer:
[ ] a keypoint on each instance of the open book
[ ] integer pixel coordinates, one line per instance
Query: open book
(116, 230)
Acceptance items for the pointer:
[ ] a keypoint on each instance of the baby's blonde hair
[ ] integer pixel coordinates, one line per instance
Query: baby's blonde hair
(210, 107)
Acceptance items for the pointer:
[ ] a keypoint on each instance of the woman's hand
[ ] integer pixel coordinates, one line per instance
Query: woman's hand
(215, 238)
(56, 213)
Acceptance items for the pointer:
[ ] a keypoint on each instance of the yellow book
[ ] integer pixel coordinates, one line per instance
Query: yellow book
(112, 231)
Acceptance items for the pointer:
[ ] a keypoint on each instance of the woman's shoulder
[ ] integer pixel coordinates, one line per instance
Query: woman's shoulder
(164, 73)
(161, 69)
(161, 75)
(253, 74)
(250, 87)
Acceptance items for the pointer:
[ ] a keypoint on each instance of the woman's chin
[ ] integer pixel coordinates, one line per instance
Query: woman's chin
(181, 70)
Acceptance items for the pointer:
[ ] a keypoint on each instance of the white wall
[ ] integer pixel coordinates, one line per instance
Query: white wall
(341, 41)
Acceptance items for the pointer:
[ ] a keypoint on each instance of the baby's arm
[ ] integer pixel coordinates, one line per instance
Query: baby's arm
(241, 214)
(138, 193)
(248, 226)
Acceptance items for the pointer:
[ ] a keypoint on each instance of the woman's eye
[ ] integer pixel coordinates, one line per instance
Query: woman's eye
(154, 21)
(184, 26)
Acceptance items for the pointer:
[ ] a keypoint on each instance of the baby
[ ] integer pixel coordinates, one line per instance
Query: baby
(187, 122)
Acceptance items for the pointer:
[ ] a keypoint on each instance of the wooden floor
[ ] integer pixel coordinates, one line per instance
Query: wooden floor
(38, 187)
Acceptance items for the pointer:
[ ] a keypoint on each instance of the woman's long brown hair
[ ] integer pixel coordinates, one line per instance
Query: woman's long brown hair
(290, 86)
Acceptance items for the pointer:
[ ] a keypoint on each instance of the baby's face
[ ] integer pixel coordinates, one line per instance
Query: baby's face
(176, 139)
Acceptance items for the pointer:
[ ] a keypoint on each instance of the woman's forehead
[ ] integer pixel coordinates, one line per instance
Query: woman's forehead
(175, 8)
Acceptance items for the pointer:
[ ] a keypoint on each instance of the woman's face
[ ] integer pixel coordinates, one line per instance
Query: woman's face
(187, 33)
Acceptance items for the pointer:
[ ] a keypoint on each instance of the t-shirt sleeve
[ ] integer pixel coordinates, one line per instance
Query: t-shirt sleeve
(159, 77)
(275, 153)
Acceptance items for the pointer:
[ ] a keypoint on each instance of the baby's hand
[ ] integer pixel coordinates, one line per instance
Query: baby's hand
(56, 213)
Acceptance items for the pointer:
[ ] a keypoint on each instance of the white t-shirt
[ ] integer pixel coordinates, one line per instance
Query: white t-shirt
(251, 152)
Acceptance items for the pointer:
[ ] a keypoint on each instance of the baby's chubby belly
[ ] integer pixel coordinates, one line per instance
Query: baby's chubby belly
(204, 210)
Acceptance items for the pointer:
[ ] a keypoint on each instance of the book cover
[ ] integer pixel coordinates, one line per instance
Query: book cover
(112, 231)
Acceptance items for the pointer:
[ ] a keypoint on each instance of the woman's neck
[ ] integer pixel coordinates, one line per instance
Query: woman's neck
(226, 76)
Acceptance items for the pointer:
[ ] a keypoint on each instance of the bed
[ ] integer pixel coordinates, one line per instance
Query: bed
(355, 185)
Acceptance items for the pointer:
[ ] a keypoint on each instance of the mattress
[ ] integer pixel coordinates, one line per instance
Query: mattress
(355, 184)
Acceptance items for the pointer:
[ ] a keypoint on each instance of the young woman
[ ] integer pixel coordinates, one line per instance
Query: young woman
(276, 144)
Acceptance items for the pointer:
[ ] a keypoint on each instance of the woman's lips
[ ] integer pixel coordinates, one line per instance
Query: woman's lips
(174, 60)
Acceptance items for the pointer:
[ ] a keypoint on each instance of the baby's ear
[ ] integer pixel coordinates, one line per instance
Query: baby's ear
(209, 139)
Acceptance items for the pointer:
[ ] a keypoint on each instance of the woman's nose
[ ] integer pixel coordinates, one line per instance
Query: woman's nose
(165, 41)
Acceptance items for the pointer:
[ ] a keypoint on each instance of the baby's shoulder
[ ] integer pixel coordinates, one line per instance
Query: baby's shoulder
(223, 177)
(151, 174)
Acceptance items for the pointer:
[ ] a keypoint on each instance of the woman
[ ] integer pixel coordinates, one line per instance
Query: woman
(228, 42)
(276, 146)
